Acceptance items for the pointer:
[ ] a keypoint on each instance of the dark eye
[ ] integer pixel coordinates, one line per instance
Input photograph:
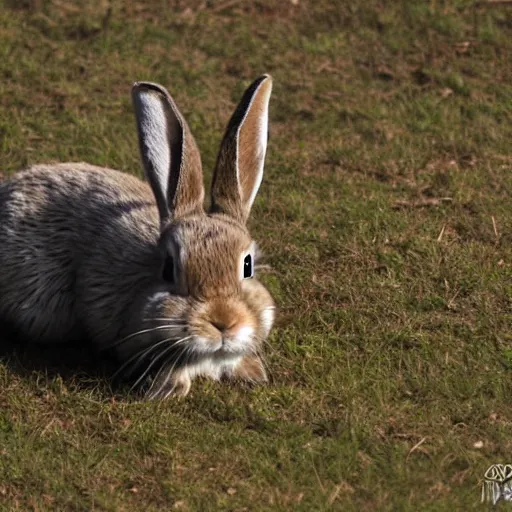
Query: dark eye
(168, 273)
(248, 268)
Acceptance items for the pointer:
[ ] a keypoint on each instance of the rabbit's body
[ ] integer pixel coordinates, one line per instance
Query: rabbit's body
(75, 243)
(88, 253)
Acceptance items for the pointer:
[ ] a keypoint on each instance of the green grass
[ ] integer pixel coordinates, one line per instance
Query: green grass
(385, 213)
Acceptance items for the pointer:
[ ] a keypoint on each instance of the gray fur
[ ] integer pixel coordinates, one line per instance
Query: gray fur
(68, 232)
(83, 251)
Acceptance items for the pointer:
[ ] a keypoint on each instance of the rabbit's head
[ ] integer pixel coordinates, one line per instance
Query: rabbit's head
(209, 315)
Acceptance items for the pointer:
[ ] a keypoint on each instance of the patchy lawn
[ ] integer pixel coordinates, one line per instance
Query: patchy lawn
(385, 213)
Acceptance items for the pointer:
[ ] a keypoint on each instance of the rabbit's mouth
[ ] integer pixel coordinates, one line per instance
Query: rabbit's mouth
(181, 339)
(171, 348)
(173, 365)
(176, 379)
(236, 340)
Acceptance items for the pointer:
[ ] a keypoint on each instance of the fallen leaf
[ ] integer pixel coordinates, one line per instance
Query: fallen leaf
(462, 47)
(421, 203)
(446, 92)
(384, 73)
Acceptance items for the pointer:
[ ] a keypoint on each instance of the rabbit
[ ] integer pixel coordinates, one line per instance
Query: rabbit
(139, 268)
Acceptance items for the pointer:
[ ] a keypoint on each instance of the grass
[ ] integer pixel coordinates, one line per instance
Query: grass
(385, 214)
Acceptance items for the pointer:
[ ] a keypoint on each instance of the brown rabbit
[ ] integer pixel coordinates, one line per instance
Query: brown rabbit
(95, 254)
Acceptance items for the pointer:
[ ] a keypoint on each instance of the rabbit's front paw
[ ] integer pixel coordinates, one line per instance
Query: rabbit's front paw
(250, 368)
(177, 384)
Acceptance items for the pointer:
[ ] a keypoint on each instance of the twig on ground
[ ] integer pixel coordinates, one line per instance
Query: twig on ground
(440, 237)
(416, 446)
(422, 203)
(495, 227)
(225, 5)
(493, 3)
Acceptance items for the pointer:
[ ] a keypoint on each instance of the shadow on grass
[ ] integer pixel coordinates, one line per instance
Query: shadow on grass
(77, 363)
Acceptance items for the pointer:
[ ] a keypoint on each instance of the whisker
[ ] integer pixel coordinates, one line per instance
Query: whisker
(140, 354)
(161, 354)
(266, 343)
(158, 357)
(171, 372)
(175, 343)
(154, 395)
(177, 321)
(274, 351)
(187, 353)
(265, 365)
(160, 371)
(168, 393)
(138, 333)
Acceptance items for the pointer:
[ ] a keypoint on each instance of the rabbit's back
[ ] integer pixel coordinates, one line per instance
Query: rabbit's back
(52, 217)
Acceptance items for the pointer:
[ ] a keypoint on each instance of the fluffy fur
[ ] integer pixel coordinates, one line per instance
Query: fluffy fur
(89, 253)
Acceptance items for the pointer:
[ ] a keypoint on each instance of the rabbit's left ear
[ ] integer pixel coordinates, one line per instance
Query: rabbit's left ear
(239, 170)
(170, 156)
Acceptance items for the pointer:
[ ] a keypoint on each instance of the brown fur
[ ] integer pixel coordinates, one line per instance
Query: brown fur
(82, 253)
(248, 152)
(185, 188)
(251, 369)
(235, 173)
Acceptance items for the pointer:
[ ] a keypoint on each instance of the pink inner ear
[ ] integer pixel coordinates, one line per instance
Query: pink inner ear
(252, 144)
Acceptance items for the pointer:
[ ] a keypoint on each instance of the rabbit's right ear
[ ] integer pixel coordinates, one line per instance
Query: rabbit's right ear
(170, 156)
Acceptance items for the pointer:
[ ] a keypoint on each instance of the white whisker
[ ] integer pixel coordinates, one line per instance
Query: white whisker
(158, 357)
(153, 395)
(187, 352)
(141, 354)
(177, 321)
(138, 333)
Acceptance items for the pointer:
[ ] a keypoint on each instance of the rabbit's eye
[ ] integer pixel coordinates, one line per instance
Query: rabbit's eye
(168, 273)
(248, 267)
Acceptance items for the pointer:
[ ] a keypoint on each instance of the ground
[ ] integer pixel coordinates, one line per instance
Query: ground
(385, 214)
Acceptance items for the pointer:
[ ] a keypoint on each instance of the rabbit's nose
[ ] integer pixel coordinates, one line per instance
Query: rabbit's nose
(222, 325)
(228, 317)
(219, 325)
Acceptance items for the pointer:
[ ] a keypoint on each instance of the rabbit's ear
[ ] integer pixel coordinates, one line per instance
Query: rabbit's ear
(171, 160)
(239, 170)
